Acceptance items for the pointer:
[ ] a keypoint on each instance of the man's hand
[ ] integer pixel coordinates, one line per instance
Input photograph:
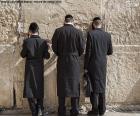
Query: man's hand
(85, 83)
(85, 70)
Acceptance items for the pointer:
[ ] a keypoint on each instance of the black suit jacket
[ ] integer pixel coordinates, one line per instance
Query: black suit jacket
(98, 46)
(68, 45)
(34, 50)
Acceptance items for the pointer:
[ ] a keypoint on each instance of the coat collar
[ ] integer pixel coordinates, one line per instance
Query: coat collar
(34, 36)
(66, 24)
(99, 29)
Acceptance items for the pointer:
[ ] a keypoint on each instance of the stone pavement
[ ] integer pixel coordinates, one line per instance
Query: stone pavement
(107, 114)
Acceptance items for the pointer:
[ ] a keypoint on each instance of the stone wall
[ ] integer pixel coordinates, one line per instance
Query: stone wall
(121, 18)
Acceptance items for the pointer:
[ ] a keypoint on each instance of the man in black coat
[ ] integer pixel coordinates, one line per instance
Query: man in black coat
(98, 46)
(34, 50)
(68, 45)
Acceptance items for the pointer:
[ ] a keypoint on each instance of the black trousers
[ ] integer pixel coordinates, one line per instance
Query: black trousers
(74, 106)
(35, 104)
(98, 103)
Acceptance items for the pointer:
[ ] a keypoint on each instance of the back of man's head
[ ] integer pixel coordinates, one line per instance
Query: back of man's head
(97, 22)
(68, 18)
(33, 28)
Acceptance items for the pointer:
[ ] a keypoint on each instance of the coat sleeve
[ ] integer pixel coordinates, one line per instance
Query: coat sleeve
(46, 50)
(110, 48)
(81, 44)
(54, 42)
(23, 52)
(88, 51)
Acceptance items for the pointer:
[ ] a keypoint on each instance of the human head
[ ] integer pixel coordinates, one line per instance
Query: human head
(69, 18)
(97, 22)
(33, 28)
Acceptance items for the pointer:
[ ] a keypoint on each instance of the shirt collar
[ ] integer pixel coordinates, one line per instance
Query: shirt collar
(68, 24)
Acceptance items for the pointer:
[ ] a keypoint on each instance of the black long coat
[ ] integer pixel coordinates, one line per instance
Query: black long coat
(68, 45)
(99, 45)
(34, 50)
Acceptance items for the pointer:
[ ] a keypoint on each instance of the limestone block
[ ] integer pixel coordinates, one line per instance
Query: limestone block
(50, 97)
(122, 20)
(51, 16)
(18, 86)
(123, 78)
(8, 24)
(6, 75)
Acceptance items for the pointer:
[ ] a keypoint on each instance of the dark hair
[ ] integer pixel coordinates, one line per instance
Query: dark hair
(96, 18)
(96, 22)
(68, 18)
(34, 27)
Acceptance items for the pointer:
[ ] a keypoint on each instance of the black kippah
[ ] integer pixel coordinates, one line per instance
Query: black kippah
(96, 18)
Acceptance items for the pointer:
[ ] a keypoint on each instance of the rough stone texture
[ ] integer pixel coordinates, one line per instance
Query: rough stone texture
(24, 113)
(6, 75)
(8, 24)
(121, 18)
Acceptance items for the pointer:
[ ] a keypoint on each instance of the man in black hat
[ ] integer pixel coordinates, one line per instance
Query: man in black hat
(98, 46)
(68, 45)
(35, 50)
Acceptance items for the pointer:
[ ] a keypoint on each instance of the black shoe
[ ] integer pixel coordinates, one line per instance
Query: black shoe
(34, 114)
(2, 109)
(92, 113)
(40, 111)
(61, 111)
(101, 115)
(74, 113)
(61, 114)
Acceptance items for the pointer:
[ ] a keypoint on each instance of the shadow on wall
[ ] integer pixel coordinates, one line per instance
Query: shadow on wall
(50, 84)
(132, 102)
(134, 96)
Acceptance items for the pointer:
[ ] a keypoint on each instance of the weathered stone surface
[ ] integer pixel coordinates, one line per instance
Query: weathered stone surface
(6, 75)
(120, 17)
(50, 83)
(123, 78)
(122, 21)
(8, 24)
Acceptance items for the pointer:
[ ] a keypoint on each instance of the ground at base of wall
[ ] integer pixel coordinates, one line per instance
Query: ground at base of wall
(26, 113)
(114, 108)
(107, 114)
